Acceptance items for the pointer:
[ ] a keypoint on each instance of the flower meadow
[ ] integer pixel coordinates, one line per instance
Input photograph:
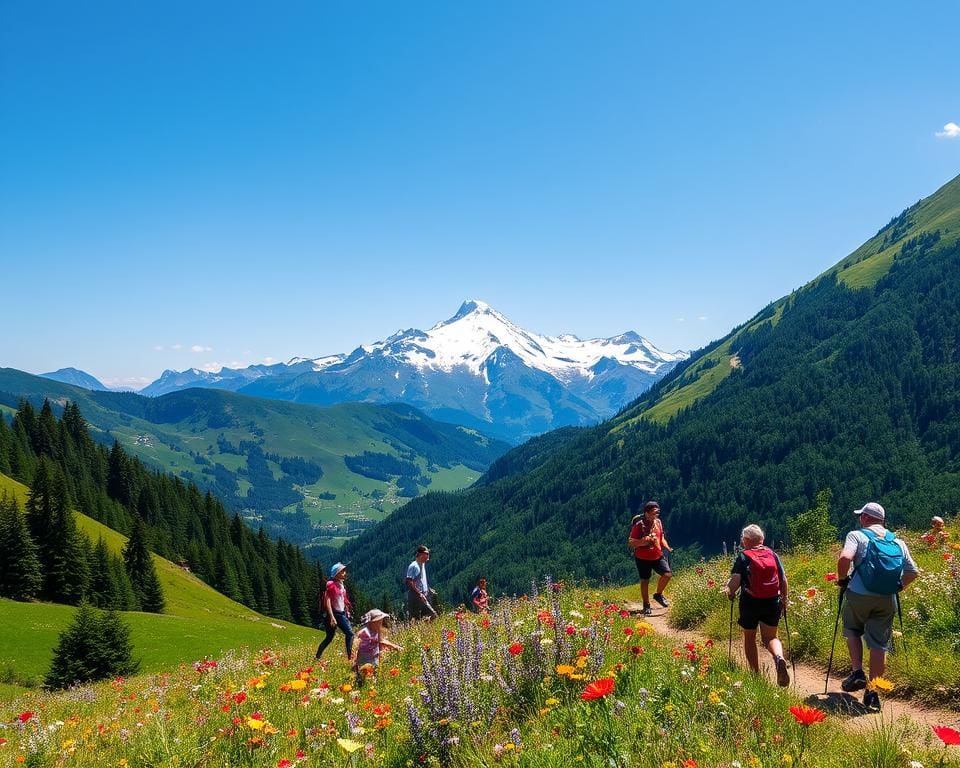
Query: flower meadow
(559, 677)
(925, 664)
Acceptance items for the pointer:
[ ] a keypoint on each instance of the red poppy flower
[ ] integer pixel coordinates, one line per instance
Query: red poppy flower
(598, 689)
(516, 649)
(570, 629)
(691, 763)
(24, 716)
(808, 715)
(284, 763)
(947, 735)
(830, 576)
(811, 593)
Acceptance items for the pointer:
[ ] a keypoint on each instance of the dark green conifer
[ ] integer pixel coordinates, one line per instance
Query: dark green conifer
(141, 570)
(95, 646)
(20, 574)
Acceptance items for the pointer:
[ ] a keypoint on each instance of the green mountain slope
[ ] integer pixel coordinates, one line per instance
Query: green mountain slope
(242, 448)
(198, 621)
(847, 385)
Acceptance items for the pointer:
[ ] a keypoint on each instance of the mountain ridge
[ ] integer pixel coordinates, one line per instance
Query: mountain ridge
(476, 368)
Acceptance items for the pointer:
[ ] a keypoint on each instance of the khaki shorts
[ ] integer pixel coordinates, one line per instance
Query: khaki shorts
(870, 617)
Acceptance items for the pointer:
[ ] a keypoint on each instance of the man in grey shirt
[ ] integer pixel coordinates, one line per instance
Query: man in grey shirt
(868, 616)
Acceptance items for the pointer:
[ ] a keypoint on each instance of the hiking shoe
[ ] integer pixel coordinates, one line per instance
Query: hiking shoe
(871, 701)
(661, 599)
(783, 676)
(647, 610)
(855, 681)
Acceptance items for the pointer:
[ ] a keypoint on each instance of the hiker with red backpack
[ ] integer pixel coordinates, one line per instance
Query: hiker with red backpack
(648, 543)
(870, 597)
(758, 573)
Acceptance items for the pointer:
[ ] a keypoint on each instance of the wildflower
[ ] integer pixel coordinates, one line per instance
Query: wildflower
(24, 716)
(598, 689)
(565, 669)
(807, 716)
(947, 735)
(239, 697)
(516, 649)
(880, 684)
(811, 593)
(349, 745)
(691, 763)
(254, 723)
(552, 702)
(830, 576)
(284, 763)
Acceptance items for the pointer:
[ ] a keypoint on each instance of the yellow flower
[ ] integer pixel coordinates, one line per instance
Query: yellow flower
(578, 676)
(552, 702)
(254, 725)
(349, 745)
(346, 688)
(788, 759)
(298, 685)
(565, 669)
(668, 707)
(581, 662)
(880, 684)
(714, 697)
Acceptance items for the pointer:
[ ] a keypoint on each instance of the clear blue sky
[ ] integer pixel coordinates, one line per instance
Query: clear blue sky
(297, 180)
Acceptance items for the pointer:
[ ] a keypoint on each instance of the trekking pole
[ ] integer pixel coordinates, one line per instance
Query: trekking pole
(833, 644)
(786, 626)
(903, 635)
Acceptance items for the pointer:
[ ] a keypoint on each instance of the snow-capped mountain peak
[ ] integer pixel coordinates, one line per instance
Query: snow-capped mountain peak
(469, 338)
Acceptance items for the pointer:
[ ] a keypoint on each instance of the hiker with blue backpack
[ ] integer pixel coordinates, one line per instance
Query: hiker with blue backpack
(882, 566)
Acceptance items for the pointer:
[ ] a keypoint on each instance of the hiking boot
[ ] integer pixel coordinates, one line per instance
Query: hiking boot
(855, 681)
(871, 701)
(783, 676)
(661, 599)
(647, 610)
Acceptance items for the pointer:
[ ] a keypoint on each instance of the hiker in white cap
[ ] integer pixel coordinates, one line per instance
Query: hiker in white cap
(370, 642)
(335, 610)
(882, 567)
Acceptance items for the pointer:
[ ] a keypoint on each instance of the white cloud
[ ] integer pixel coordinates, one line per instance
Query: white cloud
(703, 317)
(158, 348)
(177, 346)
(950, 131)
(127, 382)
(200, 348)
(268, 360)
(679, 319)
(211, 367)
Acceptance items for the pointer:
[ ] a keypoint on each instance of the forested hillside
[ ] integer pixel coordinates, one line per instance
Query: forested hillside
(307, 473)
(851, 384)
(66, 469)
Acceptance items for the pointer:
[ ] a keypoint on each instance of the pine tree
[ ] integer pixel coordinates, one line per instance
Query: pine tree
(141, 570)
(20, 574)
(103, 591)
(95, 646)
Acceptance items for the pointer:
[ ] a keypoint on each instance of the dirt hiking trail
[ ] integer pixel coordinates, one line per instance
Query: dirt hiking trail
(808, 681)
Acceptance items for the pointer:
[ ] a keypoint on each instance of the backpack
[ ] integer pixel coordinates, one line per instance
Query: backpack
(763, 577)
(881, 569)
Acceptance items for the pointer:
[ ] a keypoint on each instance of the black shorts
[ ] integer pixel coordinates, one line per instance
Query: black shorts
(755, 611)
(646, 567)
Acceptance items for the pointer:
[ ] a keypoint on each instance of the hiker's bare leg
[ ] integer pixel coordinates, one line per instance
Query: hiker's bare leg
(855, 646)
(770, 640)
(878, 662)
(662, 582)
(750, 649)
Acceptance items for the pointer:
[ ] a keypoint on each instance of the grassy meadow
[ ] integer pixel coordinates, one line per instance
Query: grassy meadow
(560, 678)
(197, 621)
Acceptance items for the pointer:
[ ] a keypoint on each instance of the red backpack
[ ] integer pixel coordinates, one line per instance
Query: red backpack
(763, 580)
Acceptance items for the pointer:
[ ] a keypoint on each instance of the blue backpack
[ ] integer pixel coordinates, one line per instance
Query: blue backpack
(881, 569)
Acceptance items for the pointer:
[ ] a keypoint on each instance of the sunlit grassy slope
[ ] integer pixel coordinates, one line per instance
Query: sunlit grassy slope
(198, 620)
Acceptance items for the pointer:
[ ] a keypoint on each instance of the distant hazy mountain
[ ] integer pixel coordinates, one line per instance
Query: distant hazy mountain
(477, 368)
(77, 378)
